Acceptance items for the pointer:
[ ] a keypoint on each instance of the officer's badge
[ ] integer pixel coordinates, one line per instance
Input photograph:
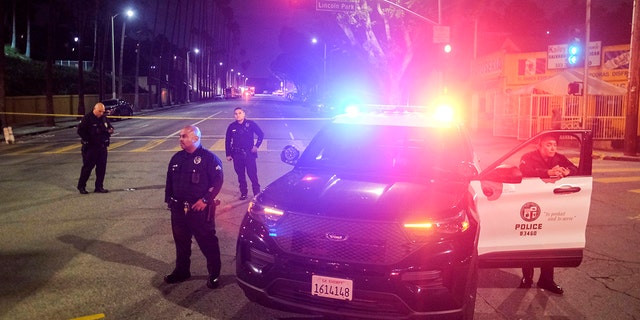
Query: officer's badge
(197, 160)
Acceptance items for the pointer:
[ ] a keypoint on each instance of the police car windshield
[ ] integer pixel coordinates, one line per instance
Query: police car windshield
(402, 152)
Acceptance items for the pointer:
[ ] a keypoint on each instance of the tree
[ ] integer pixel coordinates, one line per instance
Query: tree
(388, 37)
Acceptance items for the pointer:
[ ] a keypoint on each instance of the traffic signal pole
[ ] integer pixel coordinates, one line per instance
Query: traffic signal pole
(631, 123)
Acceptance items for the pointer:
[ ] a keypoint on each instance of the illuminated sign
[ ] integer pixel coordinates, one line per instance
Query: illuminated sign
(336, 5)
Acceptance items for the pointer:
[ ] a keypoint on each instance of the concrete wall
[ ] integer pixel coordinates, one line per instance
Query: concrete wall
(64, 106)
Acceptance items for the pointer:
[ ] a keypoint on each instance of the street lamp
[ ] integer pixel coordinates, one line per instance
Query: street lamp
(129, 13)
(324, 65)
(189, 75)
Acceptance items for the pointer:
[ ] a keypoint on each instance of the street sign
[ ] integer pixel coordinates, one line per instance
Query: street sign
(441, 34)
(336, 5)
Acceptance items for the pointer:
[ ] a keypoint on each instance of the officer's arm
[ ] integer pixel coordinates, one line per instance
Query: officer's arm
(83, 130)
(215, 179)
(530, 168)
(259, 133)
(227, 141)
(168, 185)
(565, 162)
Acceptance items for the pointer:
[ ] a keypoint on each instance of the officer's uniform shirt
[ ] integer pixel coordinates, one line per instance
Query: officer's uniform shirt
(193, 176)
(94, 131)
(239, 137)
(533, 164)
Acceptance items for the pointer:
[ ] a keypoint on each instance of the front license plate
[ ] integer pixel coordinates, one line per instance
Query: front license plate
(334, 288)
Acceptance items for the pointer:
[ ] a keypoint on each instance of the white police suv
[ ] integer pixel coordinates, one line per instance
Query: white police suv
(387, 215)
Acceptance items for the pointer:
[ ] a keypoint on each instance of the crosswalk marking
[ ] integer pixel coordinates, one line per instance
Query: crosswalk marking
(217, 146)
(119, 144)
(64, 149)
(30, 150)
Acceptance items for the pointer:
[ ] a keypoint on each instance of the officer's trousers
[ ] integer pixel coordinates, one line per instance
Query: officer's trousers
(194, 224)
(546, 274)
(93, 156)
(246, 162)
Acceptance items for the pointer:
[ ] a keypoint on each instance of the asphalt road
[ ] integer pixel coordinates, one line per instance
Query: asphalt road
(103, 256)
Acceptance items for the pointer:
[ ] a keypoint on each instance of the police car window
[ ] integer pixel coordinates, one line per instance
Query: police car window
(387, 151)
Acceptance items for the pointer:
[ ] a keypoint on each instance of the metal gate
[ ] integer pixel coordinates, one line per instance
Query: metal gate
(522, 116)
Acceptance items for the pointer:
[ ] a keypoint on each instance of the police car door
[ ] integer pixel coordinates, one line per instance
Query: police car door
(537, 222)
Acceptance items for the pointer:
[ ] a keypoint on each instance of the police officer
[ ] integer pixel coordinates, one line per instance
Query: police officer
(240, 147)
(194, 179)
(545, 163)
(94, 130)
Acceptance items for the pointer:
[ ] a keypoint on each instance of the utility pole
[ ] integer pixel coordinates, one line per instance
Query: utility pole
(631, 123)
(587, 39)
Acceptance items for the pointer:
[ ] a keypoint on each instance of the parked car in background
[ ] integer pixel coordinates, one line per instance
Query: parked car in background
(117, 108)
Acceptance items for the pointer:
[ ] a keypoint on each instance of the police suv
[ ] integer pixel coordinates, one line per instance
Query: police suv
(387, 215)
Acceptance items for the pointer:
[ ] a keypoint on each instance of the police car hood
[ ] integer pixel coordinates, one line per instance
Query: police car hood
(367, 198)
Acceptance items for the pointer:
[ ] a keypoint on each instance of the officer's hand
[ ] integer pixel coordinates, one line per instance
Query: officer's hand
(199, 205)
(254, 149)
(229, 158)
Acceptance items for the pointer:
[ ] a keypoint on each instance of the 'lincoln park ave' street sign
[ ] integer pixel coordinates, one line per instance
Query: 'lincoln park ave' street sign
(335, 5)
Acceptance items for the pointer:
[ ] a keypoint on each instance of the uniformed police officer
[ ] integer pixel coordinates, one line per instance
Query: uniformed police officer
(94, 130)
(240, 147)
(194, 179)
(545, 163)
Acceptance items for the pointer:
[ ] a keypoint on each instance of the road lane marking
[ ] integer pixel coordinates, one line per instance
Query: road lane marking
(91, 317)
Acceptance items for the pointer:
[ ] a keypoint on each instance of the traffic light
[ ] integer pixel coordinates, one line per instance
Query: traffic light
(574, 54)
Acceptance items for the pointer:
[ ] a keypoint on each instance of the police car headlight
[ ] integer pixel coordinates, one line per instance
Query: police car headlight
(424, 230)
(265, 214)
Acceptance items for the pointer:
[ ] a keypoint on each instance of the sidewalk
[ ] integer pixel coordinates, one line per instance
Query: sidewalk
(21, 130)
(484, 141)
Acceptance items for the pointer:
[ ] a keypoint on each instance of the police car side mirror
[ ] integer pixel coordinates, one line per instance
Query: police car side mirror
(290, 155)
(504, 174)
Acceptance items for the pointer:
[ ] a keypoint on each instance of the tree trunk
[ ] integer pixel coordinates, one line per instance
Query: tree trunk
(27, 51)
(48, 73)
(3, 108)
(13, 26)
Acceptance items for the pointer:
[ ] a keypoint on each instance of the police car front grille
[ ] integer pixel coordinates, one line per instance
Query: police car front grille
(342, 240)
